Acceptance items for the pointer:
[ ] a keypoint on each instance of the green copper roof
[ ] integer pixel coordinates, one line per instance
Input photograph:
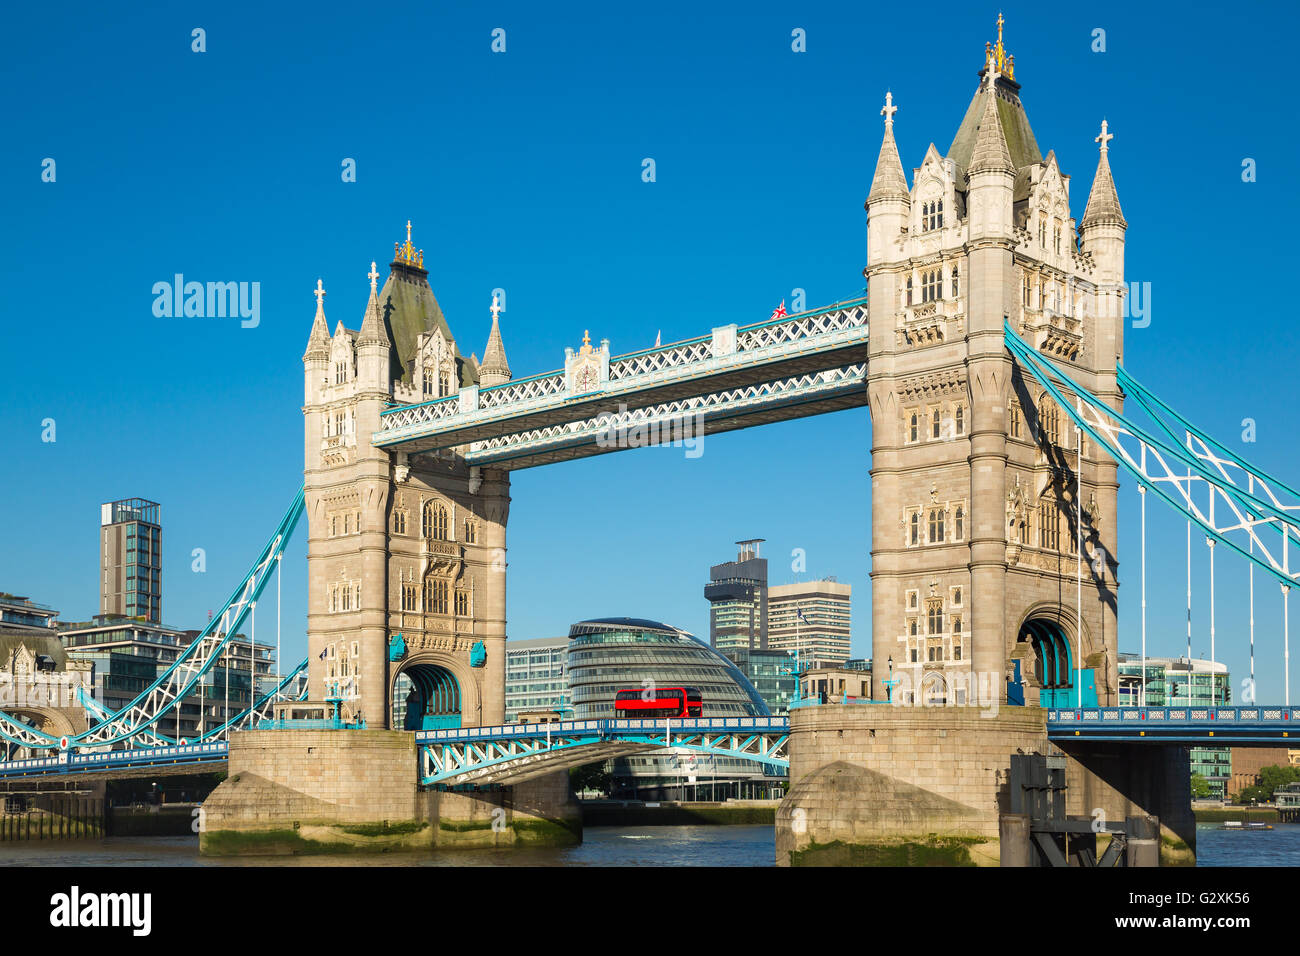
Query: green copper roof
(410, 309)
(1015, 128)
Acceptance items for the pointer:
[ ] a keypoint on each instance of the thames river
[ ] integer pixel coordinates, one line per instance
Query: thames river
(601, 846)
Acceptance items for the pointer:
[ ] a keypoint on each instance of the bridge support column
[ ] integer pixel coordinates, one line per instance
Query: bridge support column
(875, 784)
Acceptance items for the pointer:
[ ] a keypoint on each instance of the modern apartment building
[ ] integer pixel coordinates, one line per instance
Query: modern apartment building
(810, 619)
(130, 560)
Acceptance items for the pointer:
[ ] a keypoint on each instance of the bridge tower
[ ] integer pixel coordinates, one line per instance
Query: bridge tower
(406, 555)
(974, 469)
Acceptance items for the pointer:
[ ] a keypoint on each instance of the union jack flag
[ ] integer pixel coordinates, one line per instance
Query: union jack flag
(779, 311)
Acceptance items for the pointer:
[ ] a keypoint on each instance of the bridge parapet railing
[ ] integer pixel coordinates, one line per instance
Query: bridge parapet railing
(841, 321)
(1189, 715)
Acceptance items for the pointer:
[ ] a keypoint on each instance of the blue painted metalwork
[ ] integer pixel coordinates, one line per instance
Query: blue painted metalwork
(396, 647)
(1016, 687)
(1248, 509)
(1230, 725)
(179, 679)
(517, 752)
(104, 760)
(478, 654)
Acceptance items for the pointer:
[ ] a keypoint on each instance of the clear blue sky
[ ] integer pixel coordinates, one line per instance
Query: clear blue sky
(522, 170)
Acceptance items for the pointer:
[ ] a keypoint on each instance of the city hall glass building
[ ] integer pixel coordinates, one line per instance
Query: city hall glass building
(607, 655)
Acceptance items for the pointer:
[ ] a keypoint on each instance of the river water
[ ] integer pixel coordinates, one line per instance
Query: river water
(601, 846)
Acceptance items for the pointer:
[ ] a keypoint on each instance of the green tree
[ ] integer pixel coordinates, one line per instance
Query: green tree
(592, 776)
(1200, 786)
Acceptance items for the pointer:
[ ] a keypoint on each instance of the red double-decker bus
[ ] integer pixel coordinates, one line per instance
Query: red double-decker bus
(656, 703)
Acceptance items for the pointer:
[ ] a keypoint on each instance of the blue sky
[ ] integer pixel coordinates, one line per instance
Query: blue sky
(522, 170)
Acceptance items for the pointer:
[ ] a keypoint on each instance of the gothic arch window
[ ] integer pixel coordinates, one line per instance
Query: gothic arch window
(932, 285)
(428, 378)
(444, 382)
(932, 215)
(916, 528)
(435, 595)
(1049, 420)
(471, 531)
(956, 280)
(934, 617)
(909, 290)
(435, 521)
(1049, 527)
(959, 419)
(914, 427)
(936, 423)
(959, 529)
(936, 526)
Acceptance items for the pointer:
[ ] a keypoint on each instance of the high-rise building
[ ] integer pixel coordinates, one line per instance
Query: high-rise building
(130, 560)
(737, 596)
(535, 677)
(810, 619)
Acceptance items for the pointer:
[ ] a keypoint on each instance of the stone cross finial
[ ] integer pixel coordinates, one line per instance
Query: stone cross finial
(495, 308)
(319, 292)
(373, 276)
(888, 110)
(1104, 138)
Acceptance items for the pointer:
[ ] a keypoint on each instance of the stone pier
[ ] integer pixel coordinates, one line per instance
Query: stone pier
(347, 791)
(878, 784)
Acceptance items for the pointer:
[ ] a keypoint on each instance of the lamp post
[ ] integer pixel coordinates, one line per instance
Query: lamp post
(889, 684)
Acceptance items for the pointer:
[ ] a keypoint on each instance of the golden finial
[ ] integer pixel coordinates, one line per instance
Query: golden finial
(997, 57)
(586, 338)
(1011, 67)
(406, 253)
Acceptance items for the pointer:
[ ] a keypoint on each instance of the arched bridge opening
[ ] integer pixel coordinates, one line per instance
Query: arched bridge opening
(426, 697)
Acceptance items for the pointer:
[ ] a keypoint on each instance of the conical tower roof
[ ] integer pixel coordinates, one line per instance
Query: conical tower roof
(999, 75)
(1103, 201)
(318, 343)
(494, 368)
(991, 153)
(889, 182)
(372, 326)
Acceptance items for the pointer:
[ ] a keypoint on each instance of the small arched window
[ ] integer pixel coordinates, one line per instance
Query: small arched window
(936, 526)
(935, 619)
(916, 528)
(959, 525)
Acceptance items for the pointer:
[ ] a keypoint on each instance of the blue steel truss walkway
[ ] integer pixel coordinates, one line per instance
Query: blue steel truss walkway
(514, 753)
(1257, 724)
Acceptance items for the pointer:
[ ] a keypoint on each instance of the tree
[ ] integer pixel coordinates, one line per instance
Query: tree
(592, 776)
(1200, 786)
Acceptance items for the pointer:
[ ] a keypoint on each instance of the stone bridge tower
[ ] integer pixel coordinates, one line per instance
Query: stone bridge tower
(974, 469)
(406, 558)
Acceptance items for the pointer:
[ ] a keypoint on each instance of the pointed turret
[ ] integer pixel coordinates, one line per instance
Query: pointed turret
(318, 343)
(372, 326)
(1103, 202)
(889, 181)
(991, 153)
(494, 369)
(372, 343)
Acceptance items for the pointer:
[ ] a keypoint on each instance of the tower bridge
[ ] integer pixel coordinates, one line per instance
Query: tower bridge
(996, 387)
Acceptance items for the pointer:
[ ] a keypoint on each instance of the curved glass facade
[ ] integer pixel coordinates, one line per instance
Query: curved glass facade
(610, 654)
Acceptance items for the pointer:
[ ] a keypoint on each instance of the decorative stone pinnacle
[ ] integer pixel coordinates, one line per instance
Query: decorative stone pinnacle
(495, 308)
(1104, 138)
(319, 292)
(888, 110)
(373, 276)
